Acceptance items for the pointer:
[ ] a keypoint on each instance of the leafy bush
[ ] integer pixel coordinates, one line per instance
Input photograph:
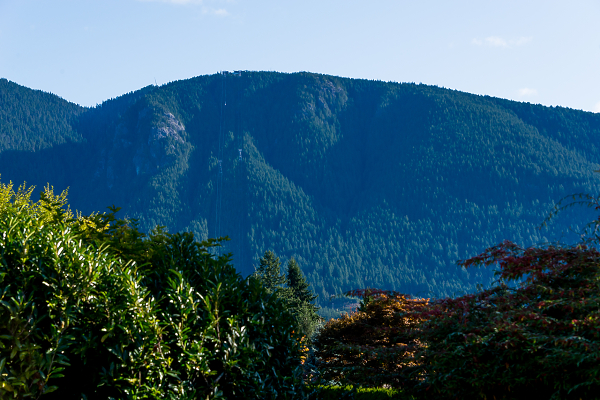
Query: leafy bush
(114, 313)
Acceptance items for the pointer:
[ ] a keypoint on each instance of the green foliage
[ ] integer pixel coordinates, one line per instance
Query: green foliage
(91, 306)
(269, 272)
(56, 288)
(296, 281)
(301, 299)
(292, 288)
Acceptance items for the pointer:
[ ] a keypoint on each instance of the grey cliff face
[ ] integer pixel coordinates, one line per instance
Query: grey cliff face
(151, 143)
(162, 144)
(164, 138)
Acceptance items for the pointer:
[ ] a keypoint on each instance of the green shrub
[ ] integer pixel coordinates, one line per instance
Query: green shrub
(90, 306)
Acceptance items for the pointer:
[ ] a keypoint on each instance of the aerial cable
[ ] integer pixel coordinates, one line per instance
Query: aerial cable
(240, 172)
(239, 177)
(219, 200)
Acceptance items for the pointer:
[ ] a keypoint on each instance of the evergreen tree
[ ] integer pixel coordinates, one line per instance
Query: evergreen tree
(296, 281)
(269, 272)
(291, 287)
(301, 298)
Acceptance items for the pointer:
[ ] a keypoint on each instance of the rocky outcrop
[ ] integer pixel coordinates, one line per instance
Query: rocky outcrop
(162, 145)
(152, 142)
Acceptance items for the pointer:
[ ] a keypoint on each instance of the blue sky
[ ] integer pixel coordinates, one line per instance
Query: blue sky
(87, 51)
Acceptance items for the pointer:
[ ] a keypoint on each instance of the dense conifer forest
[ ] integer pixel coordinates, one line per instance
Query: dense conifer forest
(364, 183)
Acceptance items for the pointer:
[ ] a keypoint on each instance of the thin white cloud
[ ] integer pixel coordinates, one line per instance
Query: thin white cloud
(497, 41)
(522, 40)
(527, 92)
(596, 108)
(221, 12)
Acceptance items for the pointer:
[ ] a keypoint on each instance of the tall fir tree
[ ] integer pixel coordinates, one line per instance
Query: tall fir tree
(269, 272)
(291, 287)
(296, 281)
(301, 298)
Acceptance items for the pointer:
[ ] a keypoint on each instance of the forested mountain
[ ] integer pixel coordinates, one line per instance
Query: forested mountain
(32, 120)
(365, 183)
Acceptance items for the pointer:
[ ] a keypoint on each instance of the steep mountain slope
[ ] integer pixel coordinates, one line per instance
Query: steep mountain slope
(365, 183)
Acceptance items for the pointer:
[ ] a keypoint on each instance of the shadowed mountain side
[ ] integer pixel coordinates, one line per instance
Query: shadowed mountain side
(58, 166)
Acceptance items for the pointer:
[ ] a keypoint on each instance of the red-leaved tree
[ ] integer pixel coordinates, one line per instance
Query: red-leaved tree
(539, 338)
